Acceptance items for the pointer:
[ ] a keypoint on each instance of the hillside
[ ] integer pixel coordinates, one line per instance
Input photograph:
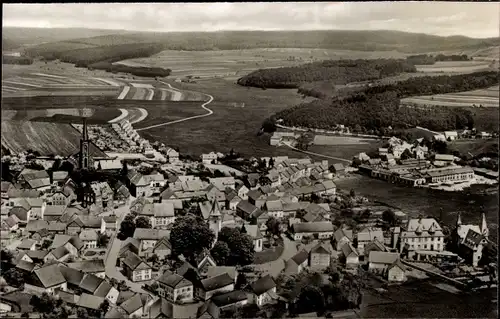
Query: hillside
(235, 40)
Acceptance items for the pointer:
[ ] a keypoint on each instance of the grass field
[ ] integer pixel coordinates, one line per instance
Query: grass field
(455, 66)
(339, 140)
(485, 97)
(475, 147)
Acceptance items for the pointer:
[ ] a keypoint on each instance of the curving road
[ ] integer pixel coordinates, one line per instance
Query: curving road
(204, 106)
(317, 154)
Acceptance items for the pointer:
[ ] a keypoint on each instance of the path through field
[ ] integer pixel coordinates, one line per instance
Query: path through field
(316, 154)
(204, 106)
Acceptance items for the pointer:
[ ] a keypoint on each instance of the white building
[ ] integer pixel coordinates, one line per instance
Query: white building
(422, 234)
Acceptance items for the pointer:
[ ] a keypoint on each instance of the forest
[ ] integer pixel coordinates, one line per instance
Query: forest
(22, 60)
(337, 72)
(375, 109)
(427, 59)
(134, 70)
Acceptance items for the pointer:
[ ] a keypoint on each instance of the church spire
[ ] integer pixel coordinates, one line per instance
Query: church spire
(484, 227)
(459, 220)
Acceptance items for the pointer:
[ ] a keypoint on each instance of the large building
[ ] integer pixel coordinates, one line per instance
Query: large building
(422, 234)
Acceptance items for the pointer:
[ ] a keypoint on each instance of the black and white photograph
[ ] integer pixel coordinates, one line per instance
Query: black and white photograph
(219, 160)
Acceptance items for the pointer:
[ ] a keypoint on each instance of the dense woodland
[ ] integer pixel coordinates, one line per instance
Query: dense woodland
(134, 70)
(336, 72)
(425, 59)
(377, 108)
(9, 59)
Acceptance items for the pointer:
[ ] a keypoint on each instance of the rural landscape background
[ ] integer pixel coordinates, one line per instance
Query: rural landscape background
(200, 92)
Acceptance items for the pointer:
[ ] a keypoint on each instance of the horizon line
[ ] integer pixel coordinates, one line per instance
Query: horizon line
(254, 30)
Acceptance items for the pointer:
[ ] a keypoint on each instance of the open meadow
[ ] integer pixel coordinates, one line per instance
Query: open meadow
(455, 66)
(485, 98)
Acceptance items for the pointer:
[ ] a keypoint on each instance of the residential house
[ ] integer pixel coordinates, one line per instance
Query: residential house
(89, 238)
(135, 306)
(318, 230)
(59, 198)
(254, 232)
(90, 283)
(80, 223)
(106, 291)
(245, 209)
(319, 256)
(422, 234)
(368, 235)
(213, 271)
(443, 159)
(338, 169)
(135, 268)
(172, 155)
(242, 191)
(73, 276)
(450, 135)
(232, 199)
(11, 223)
(46, 279)
(223, 182)
(215, 194)
(53, 212)
(163, 215)
(351, 255)
(111, 223)
(275, 208)
(103, 194)
(95, 267)
(34, 256)
(72, 243)
(22, 214)
(59, 254)
(342, 236)
(263, 291)
(27, 244)
(297, 263)
(375, 245)
(6, 187)
(146, 185)
(381, 262)
(90, 301)
(162, 249)
(215, 285)
(148, 238)
(213, 308)
(175, 288)
(35, 179)
(210, 158)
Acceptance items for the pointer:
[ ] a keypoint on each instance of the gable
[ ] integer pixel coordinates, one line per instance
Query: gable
(142, 266)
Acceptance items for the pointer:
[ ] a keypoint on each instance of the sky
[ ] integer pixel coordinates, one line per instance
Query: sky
(478, 20)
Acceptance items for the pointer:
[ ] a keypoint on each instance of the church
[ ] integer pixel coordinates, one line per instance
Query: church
(471, 240)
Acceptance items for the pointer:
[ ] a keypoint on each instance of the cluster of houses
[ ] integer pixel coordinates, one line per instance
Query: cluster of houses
(453, 135)
(128, 134)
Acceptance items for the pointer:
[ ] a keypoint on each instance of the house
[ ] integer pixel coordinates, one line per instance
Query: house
(95, 267)
(59, 254)
(90, 301)
(148, 238)
(90, 283)
(223, 182)
(72, 243)
(135, 306)
(172, 155)
(375, 245)
(215, 285)
(59, 198)
(422, 234)
(11, 223)
(34, 226)
(210, 158)
(368, 235)
(162, 249)
(450, 135)
(232, 199)
(26, 267)
(73, 276)
(254, 232)
(275, 208)
(106, 291)
(175, 288)
(47, 279)
(203, 261)
(342, 236)
(146, 185)
(214, 194)
(35, 179)
(297, 263)
(80, 223)
(245, 209)
(242, 191)
(53, 212)
(330, 187)
(27, 244)
(229, 300)
(135, 268)
(162, 308)
(22, 214)
(89, 238)
(163, 215)
(381, 262)
(351, 255)
(213, 271)
(319, 257)
(263, 291)
(317, 230)
(443, 159)
(338, 169)
(6, 187)
(111, 223)
(102, 194)
(472, 247)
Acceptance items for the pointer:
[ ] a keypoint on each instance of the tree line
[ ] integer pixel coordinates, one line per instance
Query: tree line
(21, 60)
(427, 59)
(376, 109)
(335, 71)
(134, 70)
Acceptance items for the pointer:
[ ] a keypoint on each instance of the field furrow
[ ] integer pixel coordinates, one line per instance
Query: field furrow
(139, 94)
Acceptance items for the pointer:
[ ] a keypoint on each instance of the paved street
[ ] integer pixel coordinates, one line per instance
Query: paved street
(275, 267)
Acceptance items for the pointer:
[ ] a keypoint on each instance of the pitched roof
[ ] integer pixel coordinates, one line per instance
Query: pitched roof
(348, 250)
(54, 210)
(20, 213)
(213, 271)
(173, 280)
(217, 282)
(90, 283)
(72, 276)
(319, 249)
(59, 175)
(59, 252)
(300, 257)
(50, 276)
(150, 234)
(263, 285)
(69, 298)
(54, 226)
(246, 207)
(25, 265)
(36, 225)
(253, 231)
(26, 244)
(103, 289)
(229, 298)
(382, 257)
(90, 301)
(11, 221)
(341, 233)
(163, 209)
(210, 208)
(313, 227)
(88, 266)
(88, 235)
(133, 261)
(61, 240)
(369, 234)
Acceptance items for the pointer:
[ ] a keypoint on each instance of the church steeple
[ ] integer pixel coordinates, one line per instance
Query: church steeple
(484, 227)
(459, 220)
(85, 159)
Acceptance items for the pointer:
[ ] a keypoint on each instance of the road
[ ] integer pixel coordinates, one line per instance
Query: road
(274, 268)
(204, 106)
(321, 155)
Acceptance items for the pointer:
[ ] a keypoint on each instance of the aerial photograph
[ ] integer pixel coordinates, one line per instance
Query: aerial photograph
(250, 160)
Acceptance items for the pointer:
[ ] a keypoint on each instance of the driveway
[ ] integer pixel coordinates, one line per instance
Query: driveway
(274, 268)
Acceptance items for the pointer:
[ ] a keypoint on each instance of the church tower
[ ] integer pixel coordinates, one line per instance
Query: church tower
(215, 219)
(484, 228)
(85, 158)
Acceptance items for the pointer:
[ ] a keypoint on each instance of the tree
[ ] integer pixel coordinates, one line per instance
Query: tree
(124, 171)
(389, 217)
(220, 252)
(104, 307)
(241, 281)
(6, 256)
(102, 240)
(154, 259)
(82, 313)
(310, 299)
(352, 193)
(489, 255)
(190, 236)
(240, 246)
(14, 277)
(127, 227)
(273, 226)
(142, 222)
(271, 162)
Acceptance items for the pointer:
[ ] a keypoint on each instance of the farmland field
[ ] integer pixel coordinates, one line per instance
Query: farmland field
(486, 97)
(455, 66)
(338, 140)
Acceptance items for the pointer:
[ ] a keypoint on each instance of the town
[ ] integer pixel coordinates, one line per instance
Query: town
(158, 235)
